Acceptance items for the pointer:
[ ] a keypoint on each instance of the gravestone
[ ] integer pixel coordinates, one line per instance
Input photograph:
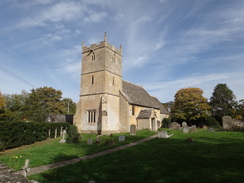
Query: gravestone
(193, 128)
(98, 139)
(211, 129)
(185, 129)
(55, 133)
(49, 134)
(163, 134)
(63, 137)
(175, 125)
(205, 127)
(61, 130)
(132, 129)
(184, 124)
(26, 168)
(121, 138)
(89, 142)
(227, 122)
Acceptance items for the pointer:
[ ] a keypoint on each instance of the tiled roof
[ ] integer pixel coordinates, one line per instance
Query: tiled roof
(163, 110)
(136, 95)
(145, 114)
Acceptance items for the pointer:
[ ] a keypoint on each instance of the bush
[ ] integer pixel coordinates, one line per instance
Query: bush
(15, 134)
(212, 122)
(73, 135)
(166, 122)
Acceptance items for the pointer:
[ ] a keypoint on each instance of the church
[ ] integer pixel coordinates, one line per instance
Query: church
(107, 103)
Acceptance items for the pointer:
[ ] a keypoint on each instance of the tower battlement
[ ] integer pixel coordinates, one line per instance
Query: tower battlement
(101, 45)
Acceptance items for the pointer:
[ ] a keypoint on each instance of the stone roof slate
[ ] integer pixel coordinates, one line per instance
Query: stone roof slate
(145, 114)
(137, 95)
(163, 110)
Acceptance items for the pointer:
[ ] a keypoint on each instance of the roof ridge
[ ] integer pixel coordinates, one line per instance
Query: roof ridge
(133, 83)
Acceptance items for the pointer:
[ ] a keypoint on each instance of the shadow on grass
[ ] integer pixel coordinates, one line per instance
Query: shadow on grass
(160, 160)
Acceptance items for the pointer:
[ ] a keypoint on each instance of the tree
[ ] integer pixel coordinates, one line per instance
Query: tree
(222, 102)
(44, 101)
(14, 105)
(2, 107)
(190, 105)
(70, 106)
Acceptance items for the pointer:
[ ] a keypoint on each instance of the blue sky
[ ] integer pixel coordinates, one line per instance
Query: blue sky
(167, 44)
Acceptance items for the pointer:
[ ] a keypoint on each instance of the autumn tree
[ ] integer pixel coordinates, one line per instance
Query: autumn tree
(222, 102)
(190, 105)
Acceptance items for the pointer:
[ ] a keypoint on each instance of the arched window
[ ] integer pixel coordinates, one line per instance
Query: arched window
(93, 56)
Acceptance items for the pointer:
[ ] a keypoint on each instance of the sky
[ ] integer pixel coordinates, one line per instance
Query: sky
(167, 44)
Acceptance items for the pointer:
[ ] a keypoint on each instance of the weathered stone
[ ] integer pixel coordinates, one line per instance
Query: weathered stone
(175, 125)
(227, 122)
(193, 128)
(205, 127)
(184, 124)
(89, 142)
(133, 129)
(211, 129)
(63, 137)
(185, 129)
(163, 134)
(121, 138)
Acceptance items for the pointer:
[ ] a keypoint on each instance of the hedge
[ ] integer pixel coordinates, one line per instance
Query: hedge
(15, 134)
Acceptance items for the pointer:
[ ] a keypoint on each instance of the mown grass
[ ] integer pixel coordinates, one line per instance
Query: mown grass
(212, 157)
(51, 151)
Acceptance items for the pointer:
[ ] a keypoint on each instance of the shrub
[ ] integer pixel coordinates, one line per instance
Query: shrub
(166, 122)
(15, 134)
(73, 135)
(212, 122)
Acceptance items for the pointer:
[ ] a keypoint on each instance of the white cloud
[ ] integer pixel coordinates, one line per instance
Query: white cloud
(95, 16)
(62, 11)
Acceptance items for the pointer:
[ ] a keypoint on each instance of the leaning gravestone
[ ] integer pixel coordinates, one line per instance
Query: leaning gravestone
(227, 122)
(185, 129)
(163, 134)
(184, 124)
(121, 138)
(89, 142)
(132, 129)
(193, 128)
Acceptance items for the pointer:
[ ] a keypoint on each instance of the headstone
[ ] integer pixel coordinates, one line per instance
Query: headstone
(211, 129)
(55, 133)
(89, 142)
(227, 122)
(185, 129)
(49, 134)
(175, 125)
(98, 139)
(193, 128)
(132, 129)
(205, 127)
(61, 130)
(63, 137)
(121, 138)
(163, 134)
(26, 168)
(184, 124)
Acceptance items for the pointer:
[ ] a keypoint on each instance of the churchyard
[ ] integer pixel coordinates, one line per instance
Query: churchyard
(199, 156)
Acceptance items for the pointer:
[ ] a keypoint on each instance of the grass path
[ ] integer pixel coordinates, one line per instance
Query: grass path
(43, 168)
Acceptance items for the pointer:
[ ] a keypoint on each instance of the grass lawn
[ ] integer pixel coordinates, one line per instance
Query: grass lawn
(51, 151)
(212, 157)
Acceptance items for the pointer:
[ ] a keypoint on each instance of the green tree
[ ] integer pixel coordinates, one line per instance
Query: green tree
(14, 105)
(190, 105)
(70, 106)
(222, 102)
(44, 101)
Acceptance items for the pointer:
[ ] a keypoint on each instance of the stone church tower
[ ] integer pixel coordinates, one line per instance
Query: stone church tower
(101, 82)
